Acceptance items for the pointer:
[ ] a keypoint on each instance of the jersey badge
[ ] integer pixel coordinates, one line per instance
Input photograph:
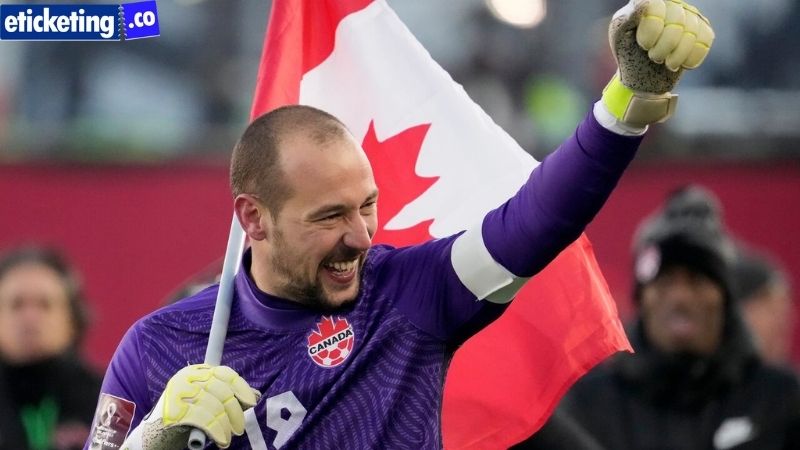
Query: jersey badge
(112, 421)
(332, 342)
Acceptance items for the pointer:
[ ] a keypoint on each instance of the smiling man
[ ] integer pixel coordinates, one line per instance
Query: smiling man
(695, 381)
(337, 343)
(310, 210)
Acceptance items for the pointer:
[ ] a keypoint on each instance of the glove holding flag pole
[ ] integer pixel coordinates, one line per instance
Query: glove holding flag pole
(202, 399)
(200, 396)
(653, 42)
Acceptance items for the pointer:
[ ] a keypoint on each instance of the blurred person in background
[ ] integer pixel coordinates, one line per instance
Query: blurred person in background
(47, 393)
(765, 297)
(696, 380)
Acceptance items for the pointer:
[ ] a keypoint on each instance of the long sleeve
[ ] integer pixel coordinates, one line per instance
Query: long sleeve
(559, 199)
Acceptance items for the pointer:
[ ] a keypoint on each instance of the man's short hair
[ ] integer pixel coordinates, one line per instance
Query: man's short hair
(255, 164)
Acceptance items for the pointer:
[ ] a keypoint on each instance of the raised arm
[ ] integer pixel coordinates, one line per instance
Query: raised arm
(653, 42)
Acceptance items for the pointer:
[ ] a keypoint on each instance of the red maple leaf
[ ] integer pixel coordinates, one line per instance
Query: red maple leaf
(393, 161)
(327, 327)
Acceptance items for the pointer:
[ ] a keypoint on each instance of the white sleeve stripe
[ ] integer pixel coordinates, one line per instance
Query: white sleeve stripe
(479, 272)
(610, 123)
(508, 292)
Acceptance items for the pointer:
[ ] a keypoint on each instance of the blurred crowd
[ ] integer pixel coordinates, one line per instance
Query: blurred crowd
(712, 336)
(73, 100)
(711, 367)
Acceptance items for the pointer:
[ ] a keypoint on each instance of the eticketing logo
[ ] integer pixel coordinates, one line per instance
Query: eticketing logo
(79, 22)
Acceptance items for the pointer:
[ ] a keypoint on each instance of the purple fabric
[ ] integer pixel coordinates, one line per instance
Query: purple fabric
(560, 198)
(387, 392)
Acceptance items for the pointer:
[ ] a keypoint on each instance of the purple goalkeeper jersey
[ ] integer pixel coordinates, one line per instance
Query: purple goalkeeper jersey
(371, 375)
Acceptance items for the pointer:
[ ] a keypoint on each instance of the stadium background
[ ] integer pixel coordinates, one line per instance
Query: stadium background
(117, 152)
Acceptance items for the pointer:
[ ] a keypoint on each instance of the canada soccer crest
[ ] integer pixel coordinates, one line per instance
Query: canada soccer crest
(332, 343)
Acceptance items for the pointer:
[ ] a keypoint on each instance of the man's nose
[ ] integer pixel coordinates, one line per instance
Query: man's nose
(357, 236)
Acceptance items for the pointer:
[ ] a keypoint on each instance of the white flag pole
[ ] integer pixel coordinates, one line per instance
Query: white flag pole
(222, 312)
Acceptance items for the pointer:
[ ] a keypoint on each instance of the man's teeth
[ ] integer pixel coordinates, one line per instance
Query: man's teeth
(345, 266)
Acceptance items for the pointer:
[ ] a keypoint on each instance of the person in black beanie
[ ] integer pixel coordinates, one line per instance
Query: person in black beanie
(47, 394)
(695, 381)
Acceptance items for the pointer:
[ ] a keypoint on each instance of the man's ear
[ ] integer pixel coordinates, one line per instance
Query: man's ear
(251, 215)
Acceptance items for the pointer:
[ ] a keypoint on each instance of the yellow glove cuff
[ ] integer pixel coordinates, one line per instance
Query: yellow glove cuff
(637, 109)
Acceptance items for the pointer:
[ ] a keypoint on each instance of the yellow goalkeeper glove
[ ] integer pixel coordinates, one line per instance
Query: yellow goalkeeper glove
(653, 42)
(212, 399)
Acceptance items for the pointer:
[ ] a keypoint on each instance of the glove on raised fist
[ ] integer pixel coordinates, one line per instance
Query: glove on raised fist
(653, 42)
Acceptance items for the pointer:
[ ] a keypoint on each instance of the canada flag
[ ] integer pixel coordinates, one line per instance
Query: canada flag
(441, 163)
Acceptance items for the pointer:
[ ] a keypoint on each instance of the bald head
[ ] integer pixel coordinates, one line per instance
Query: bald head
(256, 162)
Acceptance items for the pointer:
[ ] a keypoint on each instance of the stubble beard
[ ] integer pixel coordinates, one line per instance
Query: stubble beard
(295, 286)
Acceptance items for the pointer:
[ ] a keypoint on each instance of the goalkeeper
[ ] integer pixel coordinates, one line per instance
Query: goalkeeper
(335, 343)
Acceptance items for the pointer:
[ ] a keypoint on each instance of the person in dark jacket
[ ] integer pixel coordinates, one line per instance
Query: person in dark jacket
(47, 394)
(696, 380)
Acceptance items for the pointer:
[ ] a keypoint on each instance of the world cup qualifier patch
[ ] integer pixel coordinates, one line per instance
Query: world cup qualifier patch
(112, 422)
(332, 343)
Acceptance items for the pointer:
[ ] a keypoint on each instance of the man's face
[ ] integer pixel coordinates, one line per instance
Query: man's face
(35, 319)
(317, 244)
(682, 312)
